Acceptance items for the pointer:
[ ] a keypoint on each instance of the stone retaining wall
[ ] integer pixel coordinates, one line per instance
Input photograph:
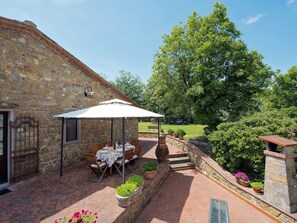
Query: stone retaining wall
(150, 188)
(212, 170)
(147, 134)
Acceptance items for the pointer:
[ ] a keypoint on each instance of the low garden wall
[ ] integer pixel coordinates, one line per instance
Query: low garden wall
(147, 134)
(212, 170)
(150, 188)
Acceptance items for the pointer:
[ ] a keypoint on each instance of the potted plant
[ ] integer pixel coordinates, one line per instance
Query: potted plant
(83, 216)
(258, 187)
(128, 191)
(150, 169)
(136, 179)
(242, 179)
(170, 132)
(181, 133)
(124, 194)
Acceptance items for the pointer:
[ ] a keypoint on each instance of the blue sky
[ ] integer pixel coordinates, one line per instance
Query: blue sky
(114, 35)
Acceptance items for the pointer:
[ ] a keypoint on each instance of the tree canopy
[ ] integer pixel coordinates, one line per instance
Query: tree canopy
(285, 89)
(236, 145)
(204, 70)
(130, 85)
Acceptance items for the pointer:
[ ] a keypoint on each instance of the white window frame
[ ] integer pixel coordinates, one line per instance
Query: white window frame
(78, 130)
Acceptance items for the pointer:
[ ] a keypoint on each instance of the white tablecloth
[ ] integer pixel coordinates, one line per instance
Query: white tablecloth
(110, 155)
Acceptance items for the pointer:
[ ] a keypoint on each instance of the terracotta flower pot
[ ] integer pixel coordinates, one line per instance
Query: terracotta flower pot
(245, 183)
(257, 190)
(149, 175)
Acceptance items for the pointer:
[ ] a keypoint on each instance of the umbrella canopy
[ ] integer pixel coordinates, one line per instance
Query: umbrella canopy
(115, 108)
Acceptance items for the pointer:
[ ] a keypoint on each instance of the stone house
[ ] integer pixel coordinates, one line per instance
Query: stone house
(39, 79)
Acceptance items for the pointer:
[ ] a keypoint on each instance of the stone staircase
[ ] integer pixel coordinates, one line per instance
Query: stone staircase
(180, 162)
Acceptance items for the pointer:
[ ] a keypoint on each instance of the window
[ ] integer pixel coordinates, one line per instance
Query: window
(71, 130)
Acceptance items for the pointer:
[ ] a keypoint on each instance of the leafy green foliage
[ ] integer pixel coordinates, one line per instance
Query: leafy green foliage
(126, 189)
(131, 86)
(257, 185)
(135, 179)
(205, 71)
(180, 132)
(236, 145)
(149, 166)
(285, 89)
(170, 131)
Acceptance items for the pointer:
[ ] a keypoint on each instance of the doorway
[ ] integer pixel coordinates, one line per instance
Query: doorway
(3, 147)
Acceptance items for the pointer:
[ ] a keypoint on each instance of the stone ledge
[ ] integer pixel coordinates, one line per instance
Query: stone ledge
(150, 188)
(147, 134)
(212, 170)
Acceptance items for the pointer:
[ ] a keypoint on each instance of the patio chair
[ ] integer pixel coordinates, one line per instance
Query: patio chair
(99, 168)
(137, 149)
(95, 147)
(107, 143)
(136, 152)
(120, 162)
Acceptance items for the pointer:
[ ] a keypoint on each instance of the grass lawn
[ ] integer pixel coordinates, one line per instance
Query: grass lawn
(191, 130)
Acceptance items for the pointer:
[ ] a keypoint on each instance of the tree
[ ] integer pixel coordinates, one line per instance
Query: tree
(285, 89)
(205, 70)
(130, 85)
(236, 145)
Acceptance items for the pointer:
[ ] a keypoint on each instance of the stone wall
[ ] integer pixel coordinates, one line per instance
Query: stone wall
(212, 170)
(147, 134)
(43, 80)
(150, 188)
(280, 181)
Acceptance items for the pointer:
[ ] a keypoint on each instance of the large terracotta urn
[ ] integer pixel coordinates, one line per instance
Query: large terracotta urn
(162, 151)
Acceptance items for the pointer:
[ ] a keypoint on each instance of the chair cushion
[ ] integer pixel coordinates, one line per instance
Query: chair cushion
(102, 164)
(94, 166)
(119, 161)
(135, 157)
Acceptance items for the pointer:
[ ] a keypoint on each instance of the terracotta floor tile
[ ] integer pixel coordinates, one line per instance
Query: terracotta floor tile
(183, 197)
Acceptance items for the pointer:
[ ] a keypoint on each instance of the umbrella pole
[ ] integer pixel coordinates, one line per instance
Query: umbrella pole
(111, 133)
(158, 131)
(123, 146)
(62, 145)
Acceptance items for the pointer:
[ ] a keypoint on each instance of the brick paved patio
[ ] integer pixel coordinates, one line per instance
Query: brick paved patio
(183, 197)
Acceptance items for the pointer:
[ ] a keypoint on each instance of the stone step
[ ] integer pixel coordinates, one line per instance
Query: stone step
(177, 155)
(183, 159)
(182, 166)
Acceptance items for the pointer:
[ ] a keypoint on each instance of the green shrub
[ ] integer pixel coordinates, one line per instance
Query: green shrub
(202, 138)
(170, 131)
(135, 179)
(236, 145)
(126, 189)
(162, 130)
(180, 132)
(257, 185)
(149, 166)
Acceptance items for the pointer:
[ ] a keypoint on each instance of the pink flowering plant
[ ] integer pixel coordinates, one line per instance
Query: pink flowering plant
(80, 217)
(242, 176)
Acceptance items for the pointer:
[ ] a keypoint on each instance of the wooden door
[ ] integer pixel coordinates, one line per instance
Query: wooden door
(3, 146)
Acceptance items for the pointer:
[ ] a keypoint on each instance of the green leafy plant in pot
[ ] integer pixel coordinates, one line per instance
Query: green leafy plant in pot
(136, 179)
(181, 133)
(150, 169)
(170, 132)
(125, 193)
(258, 187)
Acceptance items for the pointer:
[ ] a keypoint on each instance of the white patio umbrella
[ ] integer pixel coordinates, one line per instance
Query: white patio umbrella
(115, 108)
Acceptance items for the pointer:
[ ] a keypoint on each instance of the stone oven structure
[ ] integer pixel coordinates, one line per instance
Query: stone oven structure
(280, 188)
